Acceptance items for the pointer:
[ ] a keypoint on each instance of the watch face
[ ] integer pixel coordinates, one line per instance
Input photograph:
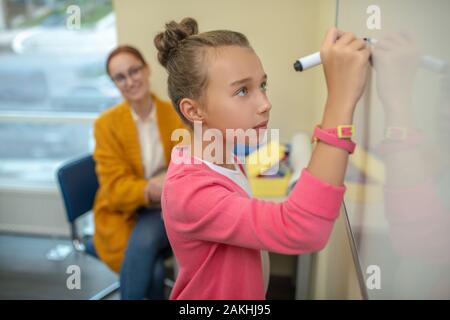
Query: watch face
(345, 131)
(396, 133)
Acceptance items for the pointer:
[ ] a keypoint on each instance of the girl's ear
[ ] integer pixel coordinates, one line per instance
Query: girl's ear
(191, 110)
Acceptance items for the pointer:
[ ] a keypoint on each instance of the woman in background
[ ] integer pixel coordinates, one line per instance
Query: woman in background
(132, 152)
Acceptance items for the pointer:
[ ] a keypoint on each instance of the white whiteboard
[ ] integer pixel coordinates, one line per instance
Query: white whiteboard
(398, 199)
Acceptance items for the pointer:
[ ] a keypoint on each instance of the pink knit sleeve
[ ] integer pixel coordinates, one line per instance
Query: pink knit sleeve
(205, 208)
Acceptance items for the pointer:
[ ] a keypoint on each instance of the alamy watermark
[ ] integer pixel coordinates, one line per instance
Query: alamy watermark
(373, 280)
(73, 21)
(212, 145)
(74, 279)
(373, 22)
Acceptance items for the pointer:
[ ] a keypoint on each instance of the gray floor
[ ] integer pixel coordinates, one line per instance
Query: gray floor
(26, 273)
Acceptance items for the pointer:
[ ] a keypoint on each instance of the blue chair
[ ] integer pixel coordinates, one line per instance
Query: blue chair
(79, 184)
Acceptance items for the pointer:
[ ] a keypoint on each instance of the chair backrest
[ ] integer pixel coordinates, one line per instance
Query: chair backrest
(78, 184)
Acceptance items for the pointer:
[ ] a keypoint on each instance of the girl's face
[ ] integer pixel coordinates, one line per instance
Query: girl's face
(236, 92)
(130, 75)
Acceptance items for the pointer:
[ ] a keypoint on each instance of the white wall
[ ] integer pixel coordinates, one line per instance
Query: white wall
(34, 211)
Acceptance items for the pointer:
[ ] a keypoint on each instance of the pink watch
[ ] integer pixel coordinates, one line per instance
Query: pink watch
(339, 137)
(342, 132)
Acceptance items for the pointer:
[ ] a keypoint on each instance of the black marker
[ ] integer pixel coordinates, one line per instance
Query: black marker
(313, 60)
(429, 62)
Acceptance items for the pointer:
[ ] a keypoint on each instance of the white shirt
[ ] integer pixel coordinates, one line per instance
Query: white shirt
(238, 177)
(152, 153)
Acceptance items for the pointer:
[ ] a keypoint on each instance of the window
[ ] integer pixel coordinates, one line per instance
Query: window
(53, 84)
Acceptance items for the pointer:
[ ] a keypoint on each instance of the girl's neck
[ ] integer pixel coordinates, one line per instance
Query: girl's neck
(143, 106)
(226, 161)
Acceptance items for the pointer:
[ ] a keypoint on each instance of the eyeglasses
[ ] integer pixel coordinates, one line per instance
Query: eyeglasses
(134, 73)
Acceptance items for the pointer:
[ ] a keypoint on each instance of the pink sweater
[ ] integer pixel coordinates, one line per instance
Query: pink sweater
(217, 231)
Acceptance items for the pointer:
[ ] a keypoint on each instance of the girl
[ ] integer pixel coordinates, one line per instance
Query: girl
(217, 230)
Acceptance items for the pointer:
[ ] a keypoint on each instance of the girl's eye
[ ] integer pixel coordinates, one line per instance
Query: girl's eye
(242, 92)
(264, 86)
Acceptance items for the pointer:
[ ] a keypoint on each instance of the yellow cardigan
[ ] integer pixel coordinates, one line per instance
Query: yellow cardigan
(121, 175)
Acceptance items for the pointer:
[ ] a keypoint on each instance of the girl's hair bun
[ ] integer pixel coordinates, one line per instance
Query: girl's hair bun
(168, 41)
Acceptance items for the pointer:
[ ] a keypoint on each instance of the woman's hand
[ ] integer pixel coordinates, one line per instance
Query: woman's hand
(345, 59)
(153, 190)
